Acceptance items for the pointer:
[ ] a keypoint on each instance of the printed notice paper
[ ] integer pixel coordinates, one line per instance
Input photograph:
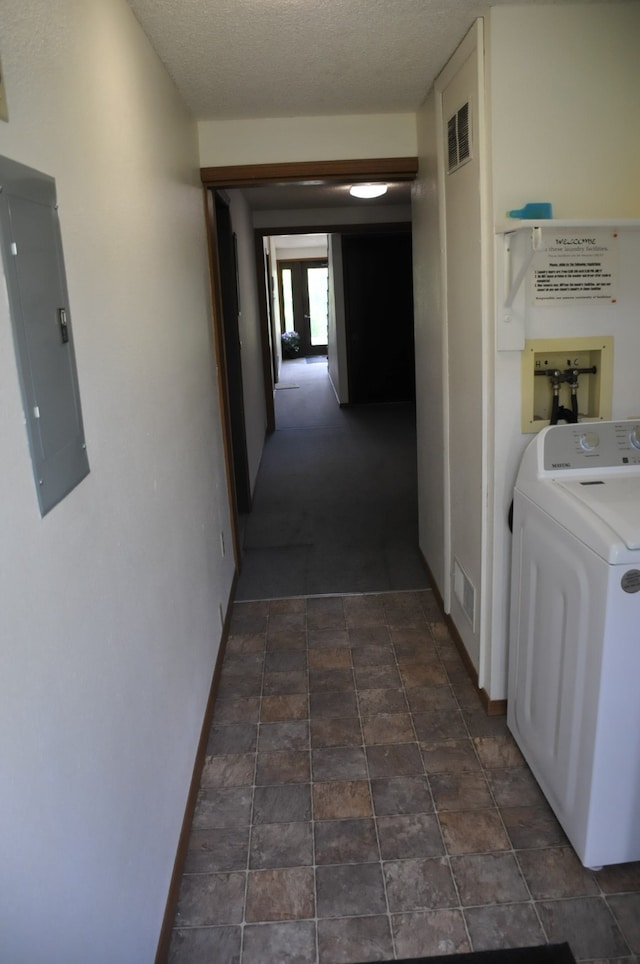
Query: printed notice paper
(575, 266)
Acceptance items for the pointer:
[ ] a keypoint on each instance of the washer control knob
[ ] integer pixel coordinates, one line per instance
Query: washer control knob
(589, 441)
(634, 437)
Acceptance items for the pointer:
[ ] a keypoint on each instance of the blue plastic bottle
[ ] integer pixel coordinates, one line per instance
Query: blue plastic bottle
(535, 210)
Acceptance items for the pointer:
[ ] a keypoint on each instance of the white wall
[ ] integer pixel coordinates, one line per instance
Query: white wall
(567, 322)
(562, 87)
(564, 93)
(465, 337)
(300, 254)
(429, 335)
(276, 321)
(255, 416)
(560, 108)
(337, 334)
(110, 621)
(278, 139)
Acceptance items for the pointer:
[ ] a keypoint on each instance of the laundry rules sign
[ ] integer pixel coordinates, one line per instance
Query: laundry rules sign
(575, 266)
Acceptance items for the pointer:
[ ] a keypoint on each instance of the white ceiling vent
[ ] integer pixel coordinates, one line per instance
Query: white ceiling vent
(459, 138)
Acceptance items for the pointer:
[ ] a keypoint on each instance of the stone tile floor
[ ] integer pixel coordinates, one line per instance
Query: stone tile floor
(357, 804)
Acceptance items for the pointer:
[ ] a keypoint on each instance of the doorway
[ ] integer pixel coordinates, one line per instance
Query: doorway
(304, 300)
(378, 291)
(305, 176)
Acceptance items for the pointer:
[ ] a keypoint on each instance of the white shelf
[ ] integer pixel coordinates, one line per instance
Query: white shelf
(509, 225)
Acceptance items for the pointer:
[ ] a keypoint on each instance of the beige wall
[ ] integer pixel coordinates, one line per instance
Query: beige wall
(563, 85)
(279, 139)
(110, 604)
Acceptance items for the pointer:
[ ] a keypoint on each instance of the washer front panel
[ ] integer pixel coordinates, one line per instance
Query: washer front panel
(591, 446)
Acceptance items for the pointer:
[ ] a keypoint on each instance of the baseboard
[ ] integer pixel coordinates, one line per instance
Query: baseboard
(341, 404)
(164, 941)
(491, 707)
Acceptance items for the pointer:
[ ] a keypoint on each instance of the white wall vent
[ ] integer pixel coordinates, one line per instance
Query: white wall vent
(459, 138)
(465, 593)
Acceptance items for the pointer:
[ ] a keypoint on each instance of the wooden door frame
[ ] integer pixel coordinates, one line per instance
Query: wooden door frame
(220, 360)
(255, 175)
(230, 298)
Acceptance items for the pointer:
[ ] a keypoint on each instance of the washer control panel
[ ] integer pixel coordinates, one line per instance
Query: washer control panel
(590, 445)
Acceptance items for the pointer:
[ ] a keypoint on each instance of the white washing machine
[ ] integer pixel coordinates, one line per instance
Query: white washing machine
(574, 640)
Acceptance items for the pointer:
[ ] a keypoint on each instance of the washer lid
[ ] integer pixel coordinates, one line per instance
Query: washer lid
(615, 500)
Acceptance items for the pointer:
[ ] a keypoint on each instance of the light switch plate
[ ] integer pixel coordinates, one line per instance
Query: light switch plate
(4, 109)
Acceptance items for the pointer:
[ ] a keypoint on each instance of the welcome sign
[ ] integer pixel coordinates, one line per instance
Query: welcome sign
(576, 266)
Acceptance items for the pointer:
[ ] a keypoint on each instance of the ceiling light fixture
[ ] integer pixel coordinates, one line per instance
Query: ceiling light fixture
(368, 190)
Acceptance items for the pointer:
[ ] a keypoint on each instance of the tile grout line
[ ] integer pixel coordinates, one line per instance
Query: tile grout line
(371, 800)
(253, 791)
(532, 900)
(516, 852)
(485, 768)
(436, 809)
(311, 794)
(512, 849)
(418, 743)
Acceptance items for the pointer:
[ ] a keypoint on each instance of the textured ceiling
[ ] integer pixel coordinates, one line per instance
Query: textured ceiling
(287, 58)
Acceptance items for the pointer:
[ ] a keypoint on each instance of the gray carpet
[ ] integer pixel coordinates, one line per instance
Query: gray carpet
(335, 502)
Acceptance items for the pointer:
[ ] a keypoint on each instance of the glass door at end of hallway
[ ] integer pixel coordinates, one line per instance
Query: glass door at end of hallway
(304, 297)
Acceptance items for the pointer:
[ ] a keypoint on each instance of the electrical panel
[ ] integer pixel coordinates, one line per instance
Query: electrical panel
(31, 245)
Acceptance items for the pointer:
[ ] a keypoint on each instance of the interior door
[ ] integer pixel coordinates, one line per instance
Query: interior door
(304, 289)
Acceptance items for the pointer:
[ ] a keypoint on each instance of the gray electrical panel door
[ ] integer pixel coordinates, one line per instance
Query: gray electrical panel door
(41, 319)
